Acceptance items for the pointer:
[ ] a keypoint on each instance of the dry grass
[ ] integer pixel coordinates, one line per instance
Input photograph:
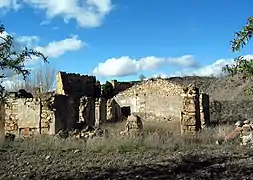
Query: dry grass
(160, 146)
(158, 136)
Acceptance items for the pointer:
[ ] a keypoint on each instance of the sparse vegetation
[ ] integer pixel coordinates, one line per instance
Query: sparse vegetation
(159, 150)
(241, 64)
(41, 78)
(12, 60)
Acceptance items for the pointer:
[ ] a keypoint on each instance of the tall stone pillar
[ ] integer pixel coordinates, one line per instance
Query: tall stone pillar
(190, 115)
(204, 110)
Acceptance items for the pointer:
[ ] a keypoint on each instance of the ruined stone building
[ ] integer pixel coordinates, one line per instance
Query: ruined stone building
(77, 99)
(162, 100)
(73, 101)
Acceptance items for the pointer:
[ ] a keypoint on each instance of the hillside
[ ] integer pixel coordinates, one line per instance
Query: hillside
(225, 89)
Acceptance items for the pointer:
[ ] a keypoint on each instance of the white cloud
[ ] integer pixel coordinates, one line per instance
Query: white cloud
(10, 4)
(57, 48)
(125, 65)
(53, 49)
(214, 69)
(87, 13)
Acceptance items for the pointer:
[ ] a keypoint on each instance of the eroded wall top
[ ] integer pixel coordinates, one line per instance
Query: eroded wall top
(160, 87)
(71, 83)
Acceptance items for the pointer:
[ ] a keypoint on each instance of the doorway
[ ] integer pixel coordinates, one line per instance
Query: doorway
(125, 111)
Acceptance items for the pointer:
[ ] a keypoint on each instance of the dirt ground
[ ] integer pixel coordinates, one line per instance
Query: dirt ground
(159, 154)
(213, 163)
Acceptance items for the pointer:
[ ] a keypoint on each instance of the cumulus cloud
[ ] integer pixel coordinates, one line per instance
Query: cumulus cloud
(10, 4)
(57, 48)
(87, 13)
(53, 49)
(214, 69)
(125, 65)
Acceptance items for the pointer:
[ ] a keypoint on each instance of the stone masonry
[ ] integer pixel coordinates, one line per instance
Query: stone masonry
(113, 111)
(161, 100)
(153, 100)
(87, 110)
(82, 89)
(190, 115)
(28, 116)
(101, 111)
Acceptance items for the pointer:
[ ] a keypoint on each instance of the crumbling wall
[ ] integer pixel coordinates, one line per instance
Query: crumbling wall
(22, 115)
(82, 90)
(87, 110)
(100, 111)
(190, 115)
(121, 86)
(75, 84)
(47, 115)
(154, 100)
(113, 112)
(65, 112)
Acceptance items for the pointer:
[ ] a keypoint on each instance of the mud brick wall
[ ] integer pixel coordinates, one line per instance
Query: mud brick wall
(190, 115)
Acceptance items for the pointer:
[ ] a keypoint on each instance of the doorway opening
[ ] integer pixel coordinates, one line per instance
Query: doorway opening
(125, 112)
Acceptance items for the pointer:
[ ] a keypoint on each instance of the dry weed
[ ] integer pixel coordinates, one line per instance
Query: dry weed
(156, 136)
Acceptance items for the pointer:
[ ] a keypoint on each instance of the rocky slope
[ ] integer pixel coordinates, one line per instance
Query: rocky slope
(225, 89)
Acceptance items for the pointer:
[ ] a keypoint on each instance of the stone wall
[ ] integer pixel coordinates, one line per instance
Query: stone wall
(30, 116)
(121, 86)
(65, 112)
(100, 111)
(113, 111)
(162, 100)
(22, 115)
(153, 100)
(87, 110)
(75, 84)
(190, 115)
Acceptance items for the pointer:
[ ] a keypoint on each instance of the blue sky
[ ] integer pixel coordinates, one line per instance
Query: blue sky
(121, 39)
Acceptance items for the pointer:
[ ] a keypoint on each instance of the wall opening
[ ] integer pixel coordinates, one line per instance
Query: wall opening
(126, 111)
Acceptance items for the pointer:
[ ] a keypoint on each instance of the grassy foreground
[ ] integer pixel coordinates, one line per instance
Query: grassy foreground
(159, 154)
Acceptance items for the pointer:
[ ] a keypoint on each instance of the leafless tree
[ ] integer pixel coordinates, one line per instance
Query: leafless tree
(40, 80)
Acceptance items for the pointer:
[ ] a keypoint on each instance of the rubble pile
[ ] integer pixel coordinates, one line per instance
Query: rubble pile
(86, 133)
(243, 131)
(134, 125)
